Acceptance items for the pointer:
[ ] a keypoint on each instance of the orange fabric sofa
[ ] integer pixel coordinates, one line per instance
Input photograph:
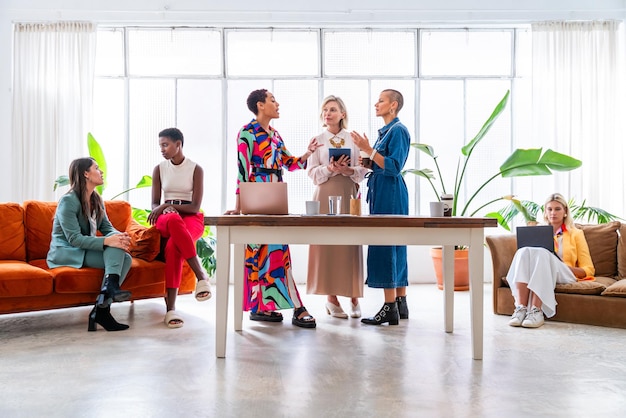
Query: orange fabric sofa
(27, 284)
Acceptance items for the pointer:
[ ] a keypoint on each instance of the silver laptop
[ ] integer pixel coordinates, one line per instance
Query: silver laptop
(263, 198)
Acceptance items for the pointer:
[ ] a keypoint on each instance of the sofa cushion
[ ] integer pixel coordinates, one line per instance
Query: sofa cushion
(119, 213)
(20, 279)
(602, 241)
(145, 243)
(616, 289)
(621, 252)
(12, 236)
(73, 280)
(38, 218)
(581, 288)
(88, 279)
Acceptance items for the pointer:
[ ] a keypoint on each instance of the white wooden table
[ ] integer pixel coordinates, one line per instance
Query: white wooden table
(239, 230)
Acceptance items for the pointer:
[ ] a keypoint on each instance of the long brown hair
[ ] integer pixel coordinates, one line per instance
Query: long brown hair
(78, 184)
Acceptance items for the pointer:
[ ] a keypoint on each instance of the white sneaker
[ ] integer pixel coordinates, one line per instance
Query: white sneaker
(534, 318)
(518, 316)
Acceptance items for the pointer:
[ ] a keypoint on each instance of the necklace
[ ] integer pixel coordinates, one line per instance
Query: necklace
(335, 144)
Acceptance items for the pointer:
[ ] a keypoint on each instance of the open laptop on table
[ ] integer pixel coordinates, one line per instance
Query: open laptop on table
(263, 198)
(536, 236)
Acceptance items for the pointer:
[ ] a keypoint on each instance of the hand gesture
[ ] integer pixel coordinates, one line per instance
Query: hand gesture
(361, 141)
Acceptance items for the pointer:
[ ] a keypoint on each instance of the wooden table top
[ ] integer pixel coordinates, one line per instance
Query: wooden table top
(351, 221)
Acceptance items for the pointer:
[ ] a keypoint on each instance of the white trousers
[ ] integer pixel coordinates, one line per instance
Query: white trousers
(541, 270)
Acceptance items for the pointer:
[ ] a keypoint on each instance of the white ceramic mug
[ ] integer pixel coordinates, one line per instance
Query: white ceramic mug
(436, 209)
(312, 207)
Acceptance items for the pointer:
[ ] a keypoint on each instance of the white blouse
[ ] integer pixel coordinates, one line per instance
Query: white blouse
(318, 162)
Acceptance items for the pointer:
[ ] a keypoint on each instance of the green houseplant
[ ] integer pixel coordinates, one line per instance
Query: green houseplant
(205, 246)
(529, 210)
(522, 162)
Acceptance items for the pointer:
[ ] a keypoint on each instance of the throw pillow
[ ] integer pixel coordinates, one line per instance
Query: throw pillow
(12, 236)
(38, 218)
(145, 243)
(119, 213)
(616, 289)
(602, 242)
(621, 252)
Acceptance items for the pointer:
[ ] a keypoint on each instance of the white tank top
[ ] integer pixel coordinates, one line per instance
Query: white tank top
(177, 180)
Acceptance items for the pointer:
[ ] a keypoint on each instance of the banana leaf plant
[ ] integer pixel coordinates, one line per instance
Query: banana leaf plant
(529, 210)
(522, 162)
(95, 152)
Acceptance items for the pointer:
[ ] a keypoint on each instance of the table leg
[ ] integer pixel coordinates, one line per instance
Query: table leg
(222, 272)
(448, 287)
(476, 272)
(238, 257)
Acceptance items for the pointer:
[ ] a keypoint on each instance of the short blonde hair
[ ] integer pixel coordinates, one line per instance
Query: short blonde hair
(395, 96)
(558, 198)
(343, 123)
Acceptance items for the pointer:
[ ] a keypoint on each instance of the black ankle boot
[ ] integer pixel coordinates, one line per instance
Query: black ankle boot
(103, 317)
(388, 313)
(403, 308)
(111, 292)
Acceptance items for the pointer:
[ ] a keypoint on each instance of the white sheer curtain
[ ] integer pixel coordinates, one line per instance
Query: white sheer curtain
(52, 102)
(578, 109)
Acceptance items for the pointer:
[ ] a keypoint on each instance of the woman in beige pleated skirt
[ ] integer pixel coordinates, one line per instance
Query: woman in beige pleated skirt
(336, 270)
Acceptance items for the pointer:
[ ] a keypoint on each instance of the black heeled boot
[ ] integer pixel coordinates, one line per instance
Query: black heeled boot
(103, 317)
(111, 292)
(403, 308)
(388, 313)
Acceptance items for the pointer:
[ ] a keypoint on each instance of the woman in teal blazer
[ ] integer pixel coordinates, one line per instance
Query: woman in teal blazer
(79, 215)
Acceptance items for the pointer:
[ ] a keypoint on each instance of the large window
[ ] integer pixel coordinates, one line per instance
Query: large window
(197, 79)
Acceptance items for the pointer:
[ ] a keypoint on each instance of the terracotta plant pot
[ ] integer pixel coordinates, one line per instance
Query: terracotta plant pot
(461, 275)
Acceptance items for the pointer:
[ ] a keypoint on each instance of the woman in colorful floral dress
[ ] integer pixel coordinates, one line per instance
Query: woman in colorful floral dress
(262, 155)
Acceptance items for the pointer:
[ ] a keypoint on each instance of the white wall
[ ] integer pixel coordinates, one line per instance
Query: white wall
(333, 13)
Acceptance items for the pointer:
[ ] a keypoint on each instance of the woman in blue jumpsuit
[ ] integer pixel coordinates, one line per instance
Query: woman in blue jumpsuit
(387, 195)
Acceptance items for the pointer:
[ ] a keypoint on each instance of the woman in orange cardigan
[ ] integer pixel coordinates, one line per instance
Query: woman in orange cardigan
(535, 272)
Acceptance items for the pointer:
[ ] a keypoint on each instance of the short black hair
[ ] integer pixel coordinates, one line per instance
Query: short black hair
(255, 97)
(174, 134)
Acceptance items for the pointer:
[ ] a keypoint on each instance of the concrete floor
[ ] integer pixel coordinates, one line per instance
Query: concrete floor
(50, 366)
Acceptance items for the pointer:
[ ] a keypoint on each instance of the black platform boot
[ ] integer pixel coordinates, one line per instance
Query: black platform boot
(388, 313)
(103, 317)
(111, 292)
(403, 308)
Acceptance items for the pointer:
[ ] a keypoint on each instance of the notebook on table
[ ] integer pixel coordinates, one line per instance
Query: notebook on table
(536, 236)
(263, 198)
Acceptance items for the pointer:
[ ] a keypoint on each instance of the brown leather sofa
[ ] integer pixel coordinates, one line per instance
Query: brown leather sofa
(27, 284)
(600, 302)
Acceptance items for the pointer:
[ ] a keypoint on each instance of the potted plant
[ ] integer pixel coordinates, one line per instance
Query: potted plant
(522, 162)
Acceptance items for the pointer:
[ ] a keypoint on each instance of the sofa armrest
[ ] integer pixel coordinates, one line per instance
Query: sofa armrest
(502, 248)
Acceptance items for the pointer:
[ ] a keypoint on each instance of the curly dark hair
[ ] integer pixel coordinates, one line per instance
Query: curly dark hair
(255, 97)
